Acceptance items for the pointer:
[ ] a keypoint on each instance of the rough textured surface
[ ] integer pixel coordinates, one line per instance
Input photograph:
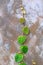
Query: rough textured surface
(10, 29)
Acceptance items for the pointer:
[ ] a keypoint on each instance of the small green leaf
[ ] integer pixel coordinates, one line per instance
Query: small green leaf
(22, 20)
(22, 63)
(26, 30)
(24, 49)
(21, 39)
(19, 57)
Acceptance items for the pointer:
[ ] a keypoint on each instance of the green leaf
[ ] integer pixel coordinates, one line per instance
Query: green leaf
(21, 39)
(22, 63)
(25, 30)
(24, 49)
(22, 20)
(19, 57)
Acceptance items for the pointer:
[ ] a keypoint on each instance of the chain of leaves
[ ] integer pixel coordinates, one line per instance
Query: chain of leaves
(19, 57)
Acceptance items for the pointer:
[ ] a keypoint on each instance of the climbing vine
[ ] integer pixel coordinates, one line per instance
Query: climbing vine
(19, 57)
